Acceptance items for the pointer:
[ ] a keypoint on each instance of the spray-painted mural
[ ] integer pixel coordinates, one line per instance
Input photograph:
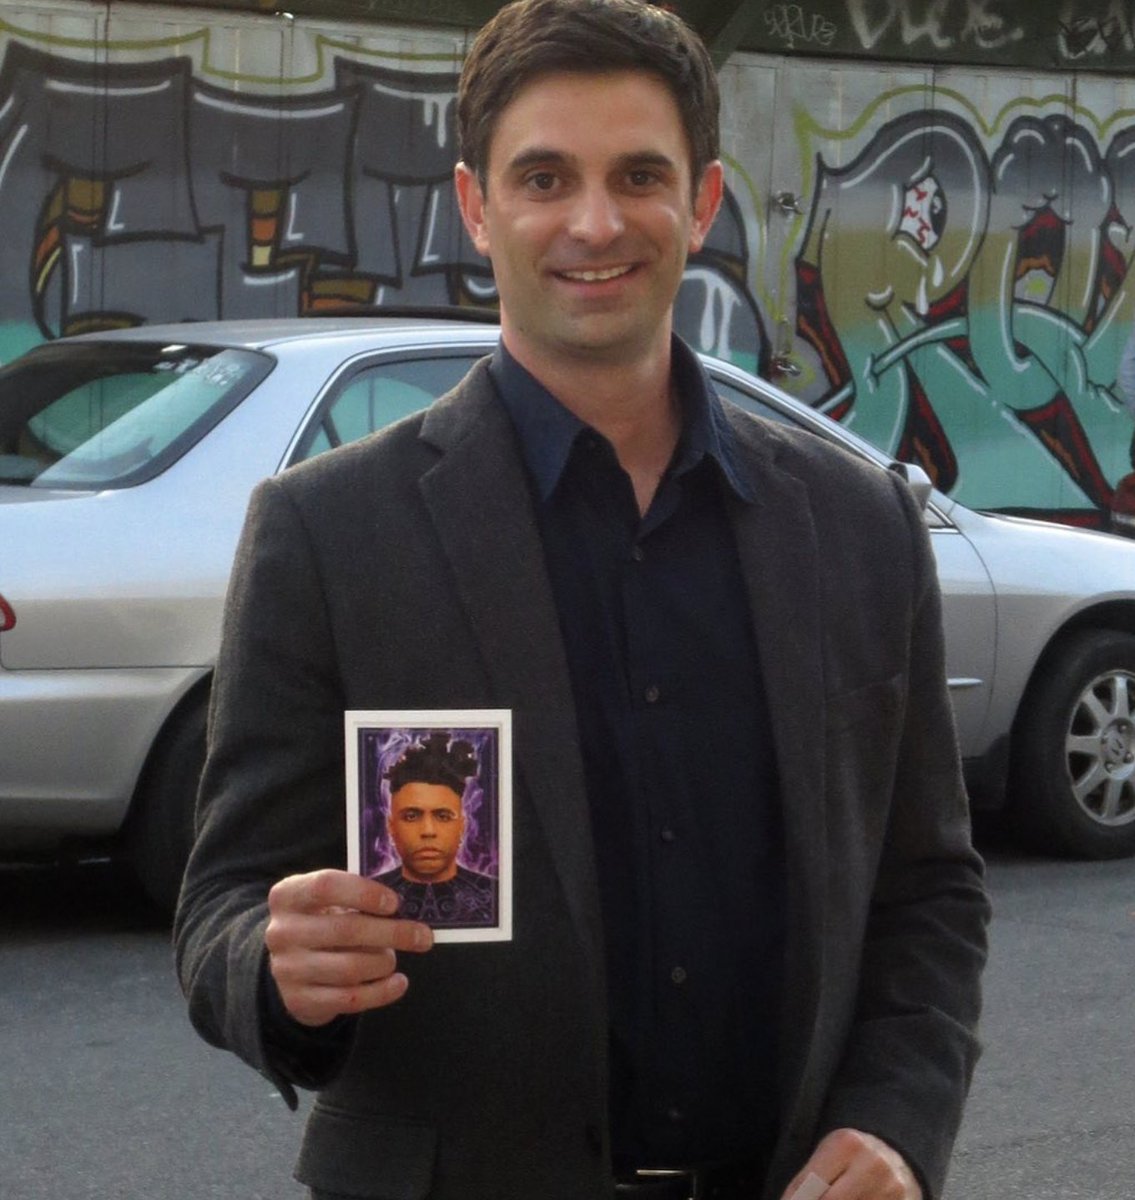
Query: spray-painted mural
(139, 191)
(1038, 34)
(937, 257)
(963, 286)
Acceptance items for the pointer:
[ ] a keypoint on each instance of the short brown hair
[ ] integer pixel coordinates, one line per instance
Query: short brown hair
(529, 38)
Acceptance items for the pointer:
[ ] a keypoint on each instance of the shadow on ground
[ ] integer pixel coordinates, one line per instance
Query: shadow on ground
(38, 899)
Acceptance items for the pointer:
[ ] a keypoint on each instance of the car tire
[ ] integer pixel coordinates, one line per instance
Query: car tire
(158, 833)
(1072, 782)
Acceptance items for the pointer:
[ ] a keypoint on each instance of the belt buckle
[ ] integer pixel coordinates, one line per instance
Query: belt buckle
(691, 1178)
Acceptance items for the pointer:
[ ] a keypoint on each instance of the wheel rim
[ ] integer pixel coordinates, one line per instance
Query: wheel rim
(1100, 749)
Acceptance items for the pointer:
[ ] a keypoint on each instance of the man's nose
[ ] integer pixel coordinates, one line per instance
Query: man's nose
(597, 217)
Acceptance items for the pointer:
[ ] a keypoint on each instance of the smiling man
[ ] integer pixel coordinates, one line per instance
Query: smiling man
(750, 923)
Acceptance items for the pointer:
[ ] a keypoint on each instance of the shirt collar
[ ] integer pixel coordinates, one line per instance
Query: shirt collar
(548, 431)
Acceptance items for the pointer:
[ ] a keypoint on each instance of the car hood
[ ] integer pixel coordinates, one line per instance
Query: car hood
(1042, 558)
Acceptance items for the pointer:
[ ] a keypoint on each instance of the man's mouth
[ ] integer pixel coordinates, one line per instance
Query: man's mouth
(600, 275)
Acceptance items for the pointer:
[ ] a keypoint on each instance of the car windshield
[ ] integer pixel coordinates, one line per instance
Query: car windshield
(112, 414)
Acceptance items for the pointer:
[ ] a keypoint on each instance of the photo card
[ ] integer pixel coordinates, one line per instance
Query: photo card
(429, 814)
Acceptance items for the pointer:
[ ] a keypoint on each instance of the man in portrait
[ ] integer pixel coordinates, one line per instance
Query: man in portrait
(426, 823)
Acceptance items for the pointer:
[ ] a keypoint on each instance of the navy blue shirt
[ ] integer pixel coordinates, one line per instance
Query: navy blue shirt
(679, 766)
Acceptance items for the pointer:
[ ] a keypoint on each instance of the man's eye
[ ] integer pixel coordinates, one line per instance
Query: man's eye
(411, 814)
(642, 178)
(542, 181)
(445, 815)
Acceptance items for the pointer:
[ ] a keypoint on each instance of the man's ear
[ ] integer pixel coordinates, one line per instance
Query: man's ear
(471, 201)
(707, 200)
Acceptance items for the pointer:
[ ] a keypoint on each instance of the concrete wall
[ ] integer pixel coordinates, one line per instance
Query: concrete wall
(938, 254)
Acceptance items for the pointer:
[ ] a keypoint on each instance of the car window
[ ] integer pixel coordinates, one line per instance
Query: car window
(756, 404)
(377, 395)
(749, 402)
(109, 415)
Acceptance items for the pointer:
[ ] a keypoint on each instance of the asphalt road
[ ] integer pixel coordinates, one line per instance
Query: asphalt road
(108, 1093)
(1051, 1114)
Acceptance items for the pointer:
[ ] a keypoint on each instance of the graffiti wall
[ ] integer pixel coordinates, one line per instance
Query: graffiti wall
(958, 286)
(1037, 34)
(936, 257)
(250, 168)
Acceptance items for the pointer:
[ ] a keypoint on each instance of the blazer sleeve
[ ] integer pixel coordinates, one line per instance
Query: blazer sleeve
(912, 1047)
(271, 798)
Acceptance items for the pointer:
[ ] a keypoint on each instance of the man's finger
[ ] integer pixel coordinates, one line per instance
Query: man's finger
(328, 889)
(812, 1187)
(347, 931)
(858, 1166)
(316, 1006)
(332, 968)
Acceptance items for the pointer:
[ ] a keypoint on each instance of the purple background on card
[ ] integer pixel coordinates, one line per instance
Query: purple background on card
(380, 747)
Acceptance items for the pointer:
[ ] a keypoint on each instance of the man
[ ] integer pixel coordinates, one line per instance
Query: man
(749, 923)
(426, 822)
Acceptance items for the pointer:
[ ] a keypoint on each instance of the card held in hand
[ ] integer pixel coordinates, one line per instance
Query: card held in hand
(429, 814)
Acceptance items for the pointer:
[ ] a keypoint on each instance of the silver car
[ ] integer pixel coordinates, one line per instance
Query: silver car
(126, 462)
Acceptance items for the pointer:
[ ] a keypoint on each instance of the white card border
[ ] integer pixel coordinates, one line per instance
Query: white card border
(357, 719)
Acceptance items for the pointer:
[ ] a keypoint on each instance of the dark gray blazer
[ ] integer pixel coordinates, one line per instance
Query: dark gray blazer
(405, 571)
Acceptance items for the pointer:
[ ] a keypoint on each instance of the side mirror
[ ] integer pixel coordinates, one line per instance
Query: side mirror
(916, 477)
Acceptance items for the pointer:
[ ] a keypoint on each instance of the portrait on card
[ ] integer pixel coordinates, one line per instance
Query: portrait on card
(429, 814)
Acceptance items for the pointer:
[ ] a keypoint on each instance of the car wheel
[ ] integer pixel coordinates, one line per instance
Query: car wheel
(158, 833)
(1073, 772)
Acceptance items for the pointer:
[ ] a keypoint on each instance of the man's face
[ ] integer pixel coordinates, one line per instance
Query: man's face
(426, 822)
(588, 213)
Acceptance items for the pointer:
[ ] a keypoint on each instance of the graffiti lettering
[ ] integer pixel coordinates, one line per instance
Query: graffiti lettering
(975, 317)
(791, 25)
(943, 24)
(334, 201)
(1093, 37)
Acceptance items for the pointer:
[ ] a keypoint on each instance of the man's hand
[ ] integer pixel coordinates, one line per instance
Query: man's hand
(858, 1166)
(332, 939)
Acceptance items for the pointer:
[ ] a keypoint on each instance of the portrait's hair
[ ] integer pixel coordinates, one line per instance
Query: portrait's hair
(530, 38)
(436, 760)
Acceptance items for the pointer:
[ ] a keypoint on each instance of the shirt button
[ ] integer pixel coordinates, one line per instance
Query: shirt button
(667, 834)
(637, 554)
(651, 694)
(675, 1114)
(678, 975)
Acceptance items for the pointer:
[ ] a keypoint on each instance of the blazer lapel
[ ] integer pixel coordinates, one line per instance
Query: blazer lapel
(479, 501)
(780, 562)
